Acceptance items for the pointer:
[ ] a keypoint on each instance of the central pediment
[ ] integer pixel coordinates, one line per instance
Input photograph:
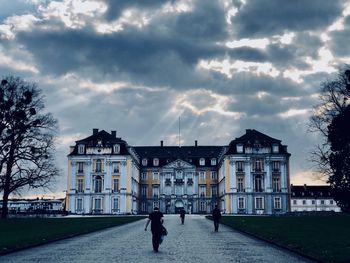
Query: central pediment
(179, 164)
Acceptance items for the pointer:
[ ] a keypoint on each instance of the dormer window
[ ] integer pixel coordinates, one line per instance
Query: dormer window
(275, 148)
(202, 161)
(116, 148)
(155, 162)
(213, 161)
(81, 149)
(239, 148)
(144, 162)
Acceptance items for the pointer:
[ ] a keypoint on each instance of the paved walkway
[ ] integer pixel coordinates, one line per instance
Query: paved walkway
(195, 241)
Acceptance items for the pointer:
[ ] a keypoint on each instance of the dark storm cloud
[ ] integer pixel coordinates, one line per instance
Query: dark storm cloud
(339, 45)
(261, 18)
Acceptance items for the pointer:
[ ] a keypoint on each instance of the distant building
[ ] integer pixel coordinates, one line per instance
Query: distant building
(34, 205)
(108, 176)
(312, 198)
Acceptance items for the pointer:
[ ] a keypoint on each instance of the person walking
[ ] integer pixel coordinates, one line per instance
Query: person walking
(182, 215)
(216, 217)
(156, 219)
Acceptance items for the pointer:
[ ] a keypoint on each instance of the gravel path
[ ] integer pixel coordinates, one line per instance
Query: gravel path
(195, 241)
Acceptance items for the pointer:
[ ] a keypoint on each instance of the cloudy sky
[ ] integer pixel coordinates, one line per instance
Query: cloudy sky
(137, 66)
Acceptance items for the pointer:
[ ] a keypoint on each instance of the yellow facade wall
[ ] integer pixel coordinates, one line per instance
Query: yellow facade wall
(227, 186)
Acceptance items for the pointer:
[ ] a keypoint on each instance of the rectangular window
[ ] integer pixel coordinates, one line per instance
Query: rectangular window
(144, 176)
(213, 161)
(116, 148)
(202, 190)
(240, 184)
(276, 184)
(239, 148)
(80, 167)
(115, 167)
(115, 205)
(322, 202)
(98, 205)
(98, 166)
(241, 203)
(144, 162)
(79, 204)
(144, 190)
(275, 148)
(214, 191)
(155, 192)
(116, 185)
(331, 202)
(275, 166)
(202, 176)
(156, 176)
(258, 165)
(155, 162)
(202, 161)
(214, 175)
(81, 149)
(80, 185)
(259, 203)
(304, 202)
(98, 184)
(258, 183)
(277, 202)
(144, 207)
(313, 202)
(240, 166)
(294, 202)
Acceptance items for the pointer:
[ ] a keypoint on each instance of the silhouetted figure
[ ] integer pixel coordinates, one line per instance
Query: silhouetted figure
(182, 215)
(216, 217)
(156, 219)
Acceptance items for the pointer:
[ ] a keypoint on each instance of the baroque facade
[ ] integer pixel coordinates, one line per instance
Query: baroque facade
(248, 176)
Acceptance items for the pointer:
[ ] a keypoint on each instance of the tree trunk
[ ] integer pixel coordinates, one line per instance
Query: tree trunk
(4, 210)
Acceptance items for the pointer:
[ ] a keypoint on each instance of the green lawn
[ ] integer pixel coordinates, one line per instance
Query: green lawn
(325, 238)
(21, 233)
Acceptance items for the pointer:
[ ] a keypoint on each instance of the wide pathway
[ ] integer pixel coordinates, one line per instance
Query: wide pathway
(195, 241)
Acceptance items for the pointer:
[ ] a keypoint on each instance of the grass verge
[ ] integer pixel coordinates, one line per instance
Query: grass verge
(325, 238)
(22, 233)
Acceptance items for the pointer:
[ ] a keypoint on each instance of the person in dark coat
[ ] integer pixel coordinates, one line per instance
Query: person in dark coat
(156, 219)
(216, 217)
(182, 215)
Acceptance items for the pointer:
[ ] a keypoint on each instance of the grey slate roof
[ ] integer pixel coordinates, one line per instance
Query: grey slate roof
(311, 191)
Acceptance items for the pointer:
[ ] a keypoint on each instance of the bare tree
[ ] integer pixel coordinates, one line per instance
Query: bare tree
(27, 136)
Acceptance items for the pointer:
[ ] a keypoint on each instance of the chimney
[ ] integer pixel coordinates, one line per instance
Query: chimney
(114, 134)
(161, 143)
(94, 131)
(196, 143)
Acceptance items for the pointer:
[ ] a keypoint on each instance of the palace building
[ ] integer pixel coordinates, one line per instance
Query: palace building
(108, 176)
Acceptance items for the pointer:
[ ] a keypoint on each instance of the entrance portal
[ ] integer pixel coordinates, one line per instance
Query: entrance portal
(179, 204)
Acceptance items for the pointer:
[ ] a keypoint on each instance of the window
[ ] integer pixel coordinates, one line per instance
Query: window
(115, 185)
(322, 202)
(276, 184)
(240, 166)
(144, 162)
(240, 184)
(304, 202)
(80, 167)
(213, 161)
(80, 185)
(155, 191)
(97, 205)
(115, 167)
(98, 184)
(294, 202)
(202, 191)
(258, 183)
(275, 148)
(155, 162)
(98, 166)
(144, 176)
(331, 202)
(201, 176)
(144, 190)
(155, 175)
(144, 207)
(275, 166)
(116, 148)
(313, 202)
(214, 190)
(79, 204)
(258, 165)
(202, 207)
(241, 203)
(259, 203)
(277, 202)
(239, 148)
(202, 161)
(115, 205)
(81, 149)
(214, 175)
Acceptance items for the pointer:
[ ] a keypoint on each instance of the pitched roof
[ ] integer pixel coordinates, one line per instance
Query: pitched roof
(311, 191)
